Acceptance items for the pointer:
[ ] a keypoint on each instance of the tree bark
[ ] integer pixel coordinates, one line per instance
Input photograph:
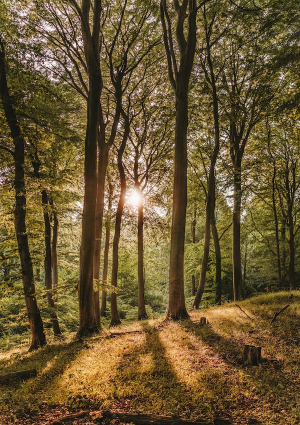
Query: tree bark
(115, 318)
(236, 232)
(218, 261)
(48, 264)
(35, 320)
(91, 41)
(177, 308)
(54, 249)
(141, 277)
(179, 75)
(194, 222)
(102, 167)
(48, 252)
(211, 189)
(106, 252)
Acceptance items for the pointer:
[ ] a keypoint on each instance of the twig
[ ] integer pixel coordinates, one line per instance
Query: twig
(277, 314)
(244, 312)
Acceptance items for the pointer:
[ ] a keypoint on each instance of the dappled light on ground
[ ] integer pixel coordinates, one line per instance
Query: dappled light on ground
(171, 368)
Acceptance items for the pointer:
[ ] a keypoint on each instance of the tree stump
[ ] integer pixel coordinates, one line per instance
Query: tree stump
(269, 289)
(252, 355)
(203, 321)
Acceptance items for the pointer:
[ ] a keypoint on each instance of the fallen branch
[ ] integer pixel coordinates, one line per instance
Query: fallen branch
(244, 312)
(139, 419)
(23, 374)
(69, 417)
(134, 418)
(277, 314)
(115, 334)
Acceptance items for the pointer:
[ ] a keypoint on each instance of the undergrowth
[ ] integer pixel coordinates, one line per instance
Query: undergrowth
(172, 368)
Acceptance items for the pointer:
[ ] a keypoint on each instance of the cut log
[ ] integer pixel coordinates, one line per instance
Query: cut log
(203, 321)
(23, 374)
(140, 419)
(252, 355)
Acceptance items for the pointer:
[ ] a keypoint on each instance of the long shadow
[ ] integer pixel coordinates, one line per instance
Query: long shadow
(268, 378)
(228, 349)
(146, 380)
(50, 362)
(150, 374)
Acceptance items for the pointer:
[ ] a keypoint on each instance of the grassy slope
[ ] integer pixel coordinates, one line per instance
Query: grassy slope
(174, 368)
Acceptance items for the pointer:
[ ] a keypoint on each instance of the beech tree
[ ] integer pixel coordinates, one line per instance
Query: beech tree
(180, 69)
(18, 153)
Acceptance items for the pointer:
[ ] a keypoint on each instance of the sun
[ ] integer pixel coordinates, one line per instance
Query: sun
(135, 198)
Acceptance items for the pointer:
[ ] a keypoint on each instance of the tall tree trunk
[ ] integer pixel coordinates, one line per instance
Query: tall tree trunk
(106, 252)
(292, 253)
(48, 252)
(276, 228)
(141, 277)
(88, 322)
(177, 308)
(283, 253)
(102, 167)
(179, 75)
(244, 270)
(48, 264)
(35, 320)
(236, 233)
(274, 207)
(211, 189)
(92, 48)
(218, 260)
(194, 222)
(54, 249)
(115, 318)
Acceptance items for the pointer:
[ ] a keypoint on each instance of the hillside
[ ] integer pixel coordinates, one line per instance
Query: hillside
(167, 368)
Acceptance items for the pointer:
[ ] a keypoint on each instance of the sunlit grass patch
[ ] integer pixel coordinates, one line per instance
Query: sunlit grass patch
(178, 368)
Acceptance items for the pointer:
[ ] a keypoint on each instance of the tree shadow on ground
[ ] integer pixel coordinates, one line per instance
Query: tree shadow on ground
(50, 362)
(229, 349)
(146, 379)
(269, 378)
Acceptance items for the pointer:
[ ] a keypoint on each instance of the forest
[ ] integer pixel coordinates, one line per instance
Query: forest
(150, 194)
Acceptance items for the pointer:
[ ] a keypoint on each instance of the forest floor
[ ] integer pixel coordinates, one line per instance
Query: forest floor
(176, 369)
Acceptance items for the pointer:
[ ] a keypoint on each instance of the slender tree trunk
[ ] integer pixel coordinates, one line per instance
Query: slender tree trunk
(102, 167)
(194, 222)
(291, 248)
(244, 270)
(292, 257)
(236, 233)
(274, 207)
(218, 261)
(276, 229)
(211, 189)
(106, 252)
(283, 254)
(48, 264)
(115, 318)
(48, 252)
(35, 320)
(54, 249)
(141, 278)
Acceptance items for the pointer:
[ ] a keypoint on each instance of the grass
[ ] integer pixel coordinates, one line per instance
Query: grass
(172, 368)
